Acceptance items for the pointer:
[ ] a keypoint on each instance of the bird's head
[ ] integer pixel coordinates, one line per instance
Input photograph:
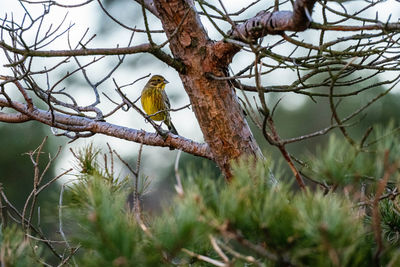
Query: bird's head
(158, 81)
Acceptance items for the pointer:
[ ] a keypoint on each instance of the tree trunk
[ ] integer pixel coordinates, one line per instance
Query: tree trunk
(214, 102)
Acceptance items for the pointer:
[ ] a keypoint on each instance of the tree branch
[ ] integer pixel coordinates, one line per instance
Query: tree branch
(82, 124)
(14, 117)
(275, 22)
(149, 5)
(388, 27)
(142, 48)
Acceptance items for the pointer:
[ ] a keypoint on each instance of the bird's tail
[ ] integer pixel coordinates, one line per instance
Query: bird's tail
(170, 126)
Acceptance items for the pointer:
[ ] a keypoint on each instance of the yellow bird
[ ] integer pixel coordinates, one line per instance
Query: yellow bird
(155, 101)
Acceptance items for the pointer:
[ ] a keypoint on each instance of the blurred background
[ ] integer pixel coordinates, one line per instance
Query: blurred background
(295, 115)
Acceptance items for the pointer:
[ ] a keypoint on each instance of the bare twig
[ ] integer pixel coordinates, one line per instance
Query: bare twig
(178, 186)
(204, 258)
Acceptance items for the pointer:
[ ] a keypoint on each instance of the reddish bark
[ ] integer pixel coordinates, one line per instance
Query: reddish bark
(215, 103)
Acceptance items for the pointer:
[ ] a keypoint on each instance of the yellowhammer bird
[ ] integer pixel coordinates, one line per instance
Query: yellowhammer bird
(155, 100)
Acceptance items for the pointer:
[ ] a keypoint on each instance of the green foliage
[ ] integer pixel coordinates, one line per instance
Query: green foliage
(107, 232)
(181, 227)
(304, 228)
(87, 160)
(15, 250)
(340, 163)
(248, 221)
(390, 213)
(385, 146)
(297, 228)
(278, 225)
(343, 164)
(328, 231)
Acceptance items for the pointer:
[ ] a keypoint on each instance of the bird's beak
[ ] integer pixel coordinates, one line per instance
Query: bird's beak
(165, 81)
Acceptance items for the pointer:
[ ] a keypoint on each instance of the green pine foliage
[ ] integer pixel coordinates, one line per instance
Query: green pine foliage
(275, 225)
(390, 212)
(249, 221)
(253, 221)
(106, 230)
(15, 250)
(341, 164)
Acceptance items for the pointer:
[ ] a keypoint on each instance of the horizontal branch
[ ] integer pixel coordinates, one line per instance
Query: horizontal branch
(276, 22)
(82, 124)
(78, 52)
(14, 117)
(142, 48)
(387, 27)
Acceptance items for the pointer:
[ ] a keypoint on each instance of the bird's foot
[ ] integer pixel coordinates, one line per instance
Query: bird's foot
(163, 133)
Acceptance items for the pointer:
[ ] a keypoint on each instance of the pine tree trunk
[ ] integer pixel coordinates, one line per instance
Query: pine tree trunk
(214, 102)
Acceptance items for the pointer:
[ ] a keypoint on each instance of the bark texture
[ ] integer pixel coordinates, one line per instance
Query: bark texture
(275, 22)
(80, 124)
(215, 103)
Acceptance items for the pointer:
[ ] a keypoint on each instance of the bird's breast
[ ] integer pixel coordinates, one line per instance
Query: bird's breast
(152, 102)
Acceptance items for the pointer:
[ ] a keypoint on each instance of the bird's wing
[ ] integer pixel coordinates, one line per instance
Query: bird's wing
(167, 120)
(166, 100)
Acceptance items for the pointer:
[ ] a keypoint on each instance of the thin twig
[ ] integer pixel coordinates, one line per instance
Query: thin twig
(178, 186)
